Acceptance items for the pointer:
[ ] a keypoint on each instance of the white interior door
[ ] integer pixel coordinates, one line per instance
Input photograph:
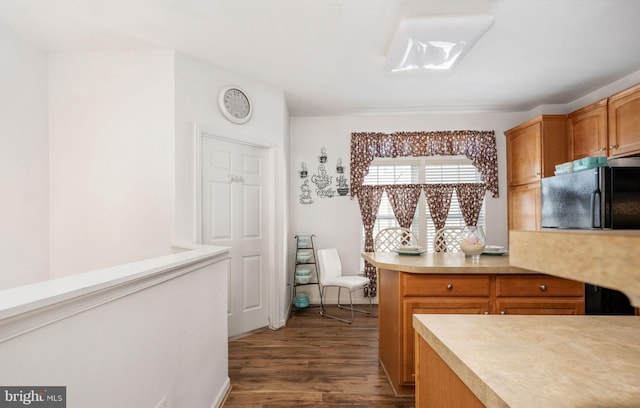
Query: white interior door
(235, 214)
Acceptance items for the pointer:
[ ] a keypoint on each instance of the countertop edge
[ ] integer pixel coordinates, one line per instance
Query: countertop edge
(496, 264)
(480, 389)
(605, 258)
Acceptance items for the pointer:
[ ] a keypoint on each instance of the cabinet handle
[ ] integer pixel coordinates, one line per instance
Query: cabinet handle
(486, 313)
(613, 146)
(503, 312)
(602, 149)
(449, 286)
(543, 288)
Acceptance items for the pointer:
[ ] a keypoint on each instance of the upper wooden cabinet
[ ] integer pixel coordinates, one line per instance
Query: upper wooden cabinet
(533, 150)
(524, 207)
(587, 131)
(624, 122)
(535, 147)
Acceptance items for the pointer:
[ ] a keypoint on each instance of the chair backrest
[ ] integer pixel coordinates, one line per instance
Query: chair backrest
(391, 238)
(447, 239)
(329, 264)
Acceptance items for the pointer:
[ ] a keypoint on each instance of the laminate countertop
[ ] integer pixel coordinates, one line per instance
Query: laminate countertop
(608, 258)
(540, 361)
(443, 262)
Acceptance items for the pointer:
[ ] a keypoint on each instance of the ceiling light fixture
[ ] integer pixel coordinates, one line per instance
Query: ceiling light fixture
(427, 44)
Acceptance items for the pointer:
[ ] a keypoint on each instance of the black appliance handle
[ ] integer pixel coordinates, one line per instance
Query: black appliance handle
(596, 219)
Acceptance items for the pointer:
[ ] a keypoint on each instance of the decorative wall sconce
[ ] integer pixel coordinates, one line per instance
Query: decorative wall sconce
(303, 172)
(339, 166)
(323, 155)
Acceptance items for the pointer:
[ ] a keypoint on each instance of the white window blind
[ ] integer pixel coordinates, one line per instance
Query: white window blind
(428, 170)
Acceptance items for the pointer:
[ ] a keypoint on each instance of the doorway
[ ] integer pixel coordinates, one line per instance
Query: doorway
(235, 213)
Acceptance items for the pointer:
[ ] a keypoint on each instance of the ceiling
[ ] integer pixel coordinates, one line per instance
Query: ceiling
(328, 55)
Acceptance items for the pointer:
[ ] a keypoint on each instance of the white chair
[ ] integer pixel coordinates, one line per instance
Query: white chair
(391, 238)
(447, 239)
(330, 275)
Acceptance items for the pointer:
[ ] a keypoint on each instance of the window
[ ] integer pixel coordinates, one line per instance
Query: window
(425, 170)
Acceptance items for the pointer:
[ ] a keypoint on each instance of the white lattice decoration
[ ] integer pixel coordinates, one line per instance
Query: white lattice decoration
(447, 239)
(390, 239)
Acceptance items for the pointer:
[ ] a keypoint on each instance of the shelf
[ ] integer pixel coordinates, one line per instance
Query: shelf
(304, 244)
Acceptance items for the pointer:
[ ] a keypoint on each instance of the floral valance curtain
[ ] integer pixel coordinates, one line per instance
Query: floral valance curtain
(478, 146)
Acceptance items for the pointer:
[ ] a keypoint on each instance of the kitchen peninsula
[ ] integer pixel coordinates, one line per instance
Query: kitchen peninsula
(450, 283)
(523, 361)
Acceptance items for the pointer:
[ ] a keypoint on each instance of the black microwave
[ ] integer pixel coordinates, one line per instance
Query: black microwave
(602, 197)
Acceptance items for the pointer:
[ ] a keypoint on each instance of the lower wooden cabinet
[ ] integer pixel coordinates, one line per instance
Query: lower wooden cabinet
(538, 295)
(439, 386)
(404, 294)
(413, 306)
(530, 306)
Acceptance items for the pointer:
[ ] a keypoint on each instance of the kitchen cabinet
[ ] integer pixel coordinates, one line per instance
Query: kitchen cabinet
(524, 207)
(440, 294)
(533, 150)
(538, 295)
(624, 122)
(587, 131)
(535, 147)
(467, 305)
(403, 294)
(437, 385)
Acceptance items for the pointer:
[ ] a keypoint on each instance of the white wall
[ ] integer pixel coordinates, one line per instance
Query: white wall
(111, 158)
(24, 183)
(157, 330)
(336, 221)
(198, 84)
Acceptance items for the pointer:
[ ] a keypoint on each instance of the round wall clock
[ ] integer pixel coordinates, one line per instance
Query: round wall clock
(235, 104)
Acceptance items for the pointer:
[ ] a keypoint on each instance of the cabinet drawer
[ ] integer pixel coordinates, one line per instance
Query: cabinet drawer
(445, 285)
(537, 285)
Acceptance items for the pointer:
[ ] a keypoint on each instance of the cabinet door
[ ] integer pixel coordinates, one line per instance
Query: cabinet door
(539, 306)
(624, 123)
(524, 154)
(524, 207)
(587, 131)
(413, 306)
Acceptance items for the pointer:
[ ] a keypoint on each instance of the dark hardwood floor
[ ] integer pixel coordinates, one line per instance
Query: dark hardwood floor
(312, 362)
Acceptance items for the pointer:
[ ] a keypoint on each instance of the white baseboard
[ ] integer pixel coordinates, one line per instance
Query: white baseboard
(222, 394)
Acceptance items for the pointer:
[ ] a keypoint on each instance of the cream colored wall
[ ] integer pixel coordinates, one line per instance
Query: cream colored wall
(111, 158)
(24, 163)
